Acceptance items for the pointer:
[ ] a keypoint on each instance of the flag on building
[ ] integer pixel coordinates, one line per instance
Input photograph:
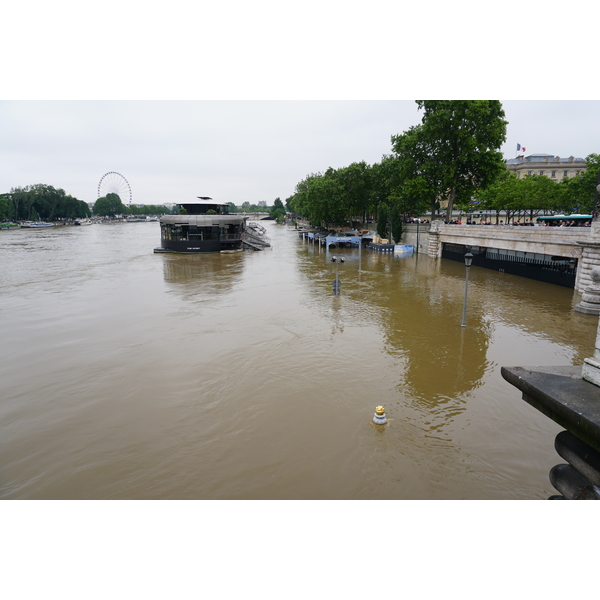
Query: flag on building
(519, 149)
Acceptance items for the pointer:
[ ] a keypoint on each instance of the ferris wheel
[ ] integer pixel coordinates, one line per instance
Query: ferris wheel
(114, 183)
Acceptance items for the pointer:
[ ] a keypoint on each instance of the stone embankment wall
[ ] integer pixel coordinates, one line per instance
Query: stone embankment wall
(582, 243)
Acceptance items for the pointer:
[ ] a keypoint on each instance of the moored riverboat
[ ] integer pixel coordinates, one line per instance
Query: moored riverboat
(203, 225)
(9, 225)
(36, 224)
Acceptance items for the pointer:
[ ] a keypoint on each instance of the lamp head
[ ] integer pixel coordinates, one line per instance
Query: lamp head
(468, 259)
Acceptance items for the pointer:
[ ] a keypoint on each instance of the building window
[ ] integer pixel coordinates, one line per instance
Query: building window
(553, 174)
(541, 172)
(566, 174)
(529, 172)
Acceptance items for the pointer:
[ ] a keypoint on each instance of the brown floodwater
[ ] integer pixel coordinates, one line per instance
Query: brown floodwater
(126, 374)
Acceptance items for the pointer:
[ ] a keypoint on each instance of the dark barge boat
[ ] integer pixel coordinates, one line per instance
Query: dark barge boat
(203, 225)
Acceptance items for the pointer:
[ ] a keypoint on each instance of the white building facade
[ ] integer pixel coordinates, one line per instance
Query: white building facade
(553, 167)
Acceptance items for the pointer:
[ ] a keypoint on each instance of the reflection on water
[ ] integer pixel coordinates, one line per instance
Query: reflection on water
(203, 274)
(414, 307)
(128, 374)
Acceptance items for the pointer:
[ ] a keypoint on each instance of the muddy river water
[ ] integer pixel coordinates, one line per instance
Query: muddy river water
(126, 374)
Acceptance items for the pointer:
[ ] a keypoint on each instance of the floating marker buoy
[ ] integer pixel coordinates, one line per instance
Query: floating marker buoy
(379, 416)
(333, 259)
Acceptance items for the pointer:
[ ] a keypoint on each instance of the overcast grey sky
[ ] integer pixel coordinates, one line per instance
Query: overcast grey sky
(240, 101)
(233, 151)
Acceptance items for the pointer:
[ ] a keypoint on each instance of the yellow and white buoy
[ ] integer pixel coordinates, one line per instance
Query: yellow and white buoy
(379, 416)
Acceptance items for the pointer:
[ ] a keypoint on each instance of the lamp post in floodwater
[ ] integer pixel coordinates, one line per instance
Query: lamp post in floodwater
(336, 282)
(468, 261)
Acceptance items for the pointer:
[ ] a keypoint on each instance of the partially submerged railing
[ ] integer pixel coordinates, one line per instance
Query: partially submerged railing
(252, 239)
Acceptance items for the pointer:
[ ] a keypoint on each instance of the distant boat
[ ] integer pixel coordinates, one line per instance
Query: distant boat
(82, 222)
(9, 226)
(36, 224)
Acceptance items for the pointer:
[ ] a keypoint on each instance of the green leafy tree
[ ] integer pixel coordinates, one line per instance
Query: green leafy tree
(454, 152)
(380, 189)
(278, 211)
(396, 227)
(417, 175)
(109, 206)
(382, 220)
(354, 188)
(45, 202)
(334, 197)
(578, 193)
(289, 204)
(4, 206)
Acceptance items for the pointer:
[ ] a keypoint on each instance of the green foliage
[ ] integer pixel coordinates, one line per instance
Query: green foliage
(579, 192)
(278, 211)
(334, 197)
(289, 204)
(454, 152)
(535, 194)
(109, 206)
(453, 155)
(247, 207)
(44, 202)
(382, 220)
(148, 209)
(417, 171)
(396, 227)
(354, 183)
(4, 205)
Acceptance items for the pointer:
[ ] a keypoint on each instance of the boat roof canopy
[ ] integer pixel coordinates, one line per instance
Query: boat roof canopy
(572, 217)
(202, 201)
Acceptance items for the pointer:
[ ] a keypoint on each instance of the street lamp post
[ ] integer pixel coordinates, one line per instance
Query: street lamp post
(468, 261)
(418, 222)
(336, 283)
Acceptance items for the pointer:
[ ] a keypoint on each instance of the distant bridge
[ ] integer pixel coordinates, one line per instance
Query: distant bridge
(254, 216)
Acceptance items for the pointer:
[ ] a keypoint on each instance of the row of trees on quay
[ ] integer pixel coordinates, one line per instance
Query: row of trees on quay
(41, 202)
(452, 156)
(47, 203)
(111, 205)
